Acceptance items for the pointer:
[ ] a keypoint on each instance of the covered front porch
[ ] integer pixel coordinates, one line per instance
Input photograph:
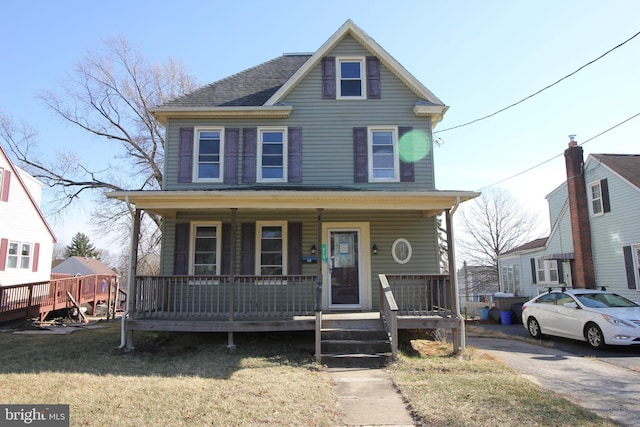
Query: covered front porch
(340, 234)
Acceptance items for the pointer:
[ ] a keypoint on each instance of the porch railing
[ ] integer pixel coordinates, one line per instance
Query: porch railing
(421, 294)
(389, 313)
(211, 296)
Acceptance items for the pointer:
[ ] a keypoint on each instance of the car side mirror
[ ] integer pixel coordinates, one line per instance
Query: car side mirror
(571, 305)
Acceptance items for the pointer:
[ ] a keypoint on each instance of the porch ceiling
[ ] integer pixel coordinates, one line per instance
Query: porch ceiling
(167, 203)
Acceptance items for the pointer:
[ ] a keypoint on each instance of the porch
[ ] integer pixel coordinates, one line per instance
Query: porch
(282, 303)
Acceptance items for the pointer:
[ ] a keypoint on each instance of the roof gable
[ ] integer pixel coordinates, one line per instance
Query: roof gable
(627, 166)
(77, 265)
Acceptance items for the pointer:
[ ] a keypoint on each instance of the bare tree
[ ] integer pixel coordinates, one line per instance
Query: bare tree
(492, 224)
(107, 96)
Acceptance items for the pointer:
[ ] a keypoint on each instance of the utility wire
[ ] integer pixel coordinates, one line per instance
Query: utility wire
(558, 155)
(543, 89)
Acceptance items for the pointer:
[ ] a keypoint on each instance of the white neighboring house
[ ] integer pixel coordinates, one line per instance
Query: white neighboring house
(26, 240)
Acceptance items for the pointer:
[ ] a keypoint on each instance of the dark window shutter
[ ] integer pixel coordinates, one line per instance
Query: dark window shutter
(185, 155)
(225, 256)
(181, 256)
(294, 247)
(406, 168)
(4, 248)
(606, 204)
(295, 154)
(6, 184)
(628, 266)
(560, 272)
(373, 77)
(248, 251)
(328, 77)
(360, 158)
(534, 274)
(36, 257)
(249, 147)
(231, 142)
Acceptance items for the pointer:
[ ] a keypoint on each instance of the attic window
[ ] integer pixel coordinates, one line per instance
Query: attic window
(350, 76)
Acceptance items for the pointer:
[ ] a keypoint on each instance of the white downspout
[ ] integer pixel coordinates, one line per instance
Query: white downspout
(129, 284)
(463, 335)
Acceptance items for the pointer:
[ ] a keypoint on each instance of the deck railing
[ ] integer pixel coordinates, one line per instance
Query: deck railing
(212, 296)
(421, 294)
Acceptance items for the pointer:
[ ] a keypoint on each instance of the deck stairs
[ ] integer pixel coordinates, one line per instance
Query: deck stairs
(354, 341)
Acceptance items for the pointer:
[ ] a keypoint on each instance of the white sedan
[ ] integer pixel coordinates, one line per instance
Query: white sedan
(595, 316)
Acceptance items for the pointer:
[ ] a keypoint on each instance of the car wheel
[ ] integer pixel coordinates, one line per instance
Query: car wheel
(594, 336)
(534, 327)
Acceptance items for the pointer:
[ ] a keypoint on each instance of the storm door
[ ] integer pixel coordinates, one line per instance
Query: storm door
(344, 269)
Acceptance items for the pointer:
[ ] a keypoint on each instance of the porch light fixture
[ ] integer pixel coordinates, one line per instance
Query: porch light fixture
(313, 249)
(374, 249)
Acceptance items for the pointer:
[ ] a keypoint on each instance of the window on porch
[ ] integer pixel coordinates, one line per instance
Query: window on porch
(205, 258)
(271, 249)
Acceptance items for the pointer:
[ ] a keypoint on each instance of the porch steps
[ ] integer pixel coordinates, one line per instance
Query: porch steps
(354, 343)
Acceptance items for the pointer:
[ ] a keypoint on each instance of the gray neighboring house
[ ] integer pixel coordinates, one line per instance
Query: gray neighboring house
(81, 266)
(595, 231)
(289, 188)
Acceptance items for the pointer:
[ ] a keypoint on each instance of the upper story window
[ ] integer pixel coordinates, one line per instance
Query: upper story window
(209, 154)
(351, 78)
(384, 163)
(19, 255)
(595, 198)
(271, 248)
(272, 155)
(205, 248)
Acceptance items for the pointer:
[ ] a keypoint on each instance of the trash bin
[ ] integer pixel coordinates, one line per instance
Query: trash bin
(505, 317)
(484, 313)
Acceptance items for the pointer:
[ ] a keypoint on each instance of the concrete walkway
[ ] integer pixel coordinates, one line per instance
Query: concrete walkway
(368, 397)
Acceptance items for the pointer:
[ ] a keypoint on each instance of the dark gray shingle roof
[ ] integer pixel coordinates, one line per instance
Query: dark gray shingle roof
(251, 87)
(627, 165)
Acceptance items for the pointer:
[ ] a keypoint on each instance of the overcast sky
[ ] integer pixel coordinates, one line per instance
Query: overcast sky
(477, 57)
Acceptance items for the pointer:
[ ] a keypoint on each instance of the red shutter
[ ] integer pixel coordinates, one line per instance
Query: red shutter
(6, 183)
(249, 147)
(4, 247)
(295, 154)
(36, 257)
(329, 77)
(185, 155)
(373, 77)
(360, 157)
(231, 142)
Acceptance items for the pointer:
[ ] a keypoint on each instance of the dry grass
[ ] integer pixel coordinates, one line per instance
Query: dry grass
(475, 389)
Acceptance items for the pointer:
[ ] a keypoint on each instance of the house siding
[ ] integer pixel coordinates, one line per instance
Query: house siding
(325, 146)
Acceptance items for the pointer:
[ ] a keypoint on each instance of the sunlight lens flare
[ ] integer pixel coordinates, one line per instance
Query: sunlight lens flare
(414, 146)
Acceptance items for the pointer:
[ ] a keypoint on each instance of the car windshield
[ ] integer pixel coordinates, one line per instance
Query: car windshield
(605, 300)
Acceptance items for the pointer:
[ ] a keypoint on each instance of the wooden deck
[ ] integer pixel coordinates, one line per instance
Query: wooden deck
(39, 299)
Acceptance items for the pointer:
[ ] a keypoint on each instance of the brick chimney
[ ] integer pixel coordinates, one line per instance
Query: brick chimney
(579, 211)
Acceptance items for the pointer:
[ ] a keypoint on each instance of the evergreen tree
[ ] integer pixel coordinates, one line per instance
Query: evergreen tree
(81, 246)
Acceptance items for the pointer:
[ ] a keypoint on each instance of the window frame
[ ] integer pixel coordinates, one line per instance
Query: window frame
(363, 76)
(192, 245)
(592, 199)
(396, 154)
(18, 257)
(545, 266)
(258, 256)
(196, 153)
(511, 278)
(635, 255)
(285, 153)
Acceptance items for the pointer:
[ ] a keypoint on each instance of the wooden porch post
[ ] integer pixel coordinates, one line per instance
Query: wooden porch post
(232, 278)
(458, 342)
(133, 268)
(318, 290)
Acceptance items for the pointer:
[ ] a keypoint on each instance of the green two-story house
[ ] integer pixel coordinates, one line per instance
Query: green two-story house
(300, 186)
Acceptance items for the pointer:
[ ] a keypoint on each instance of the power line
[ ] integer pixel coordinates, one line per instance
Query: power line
(543, 89)
(558, 155)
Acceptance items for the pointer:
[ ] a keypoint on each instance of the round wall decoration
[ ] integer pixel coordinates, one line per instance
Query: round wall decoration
(401, 251)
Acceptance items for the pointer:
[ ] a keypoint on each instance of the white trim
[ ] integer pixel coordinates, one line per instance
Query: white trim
(393, 251)
(396, 154)
(635, 258)
(364, 262)
(19, 255)
(192, 243)
(196, 150)
(285, 249)
(363, 77)
(590, 186)
(285, 154)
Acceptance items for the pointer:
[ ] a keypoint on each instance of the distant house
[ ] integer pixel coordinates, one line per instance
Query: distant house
(595, 230)
(26, 240)
(477, 283)
(82, 266)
